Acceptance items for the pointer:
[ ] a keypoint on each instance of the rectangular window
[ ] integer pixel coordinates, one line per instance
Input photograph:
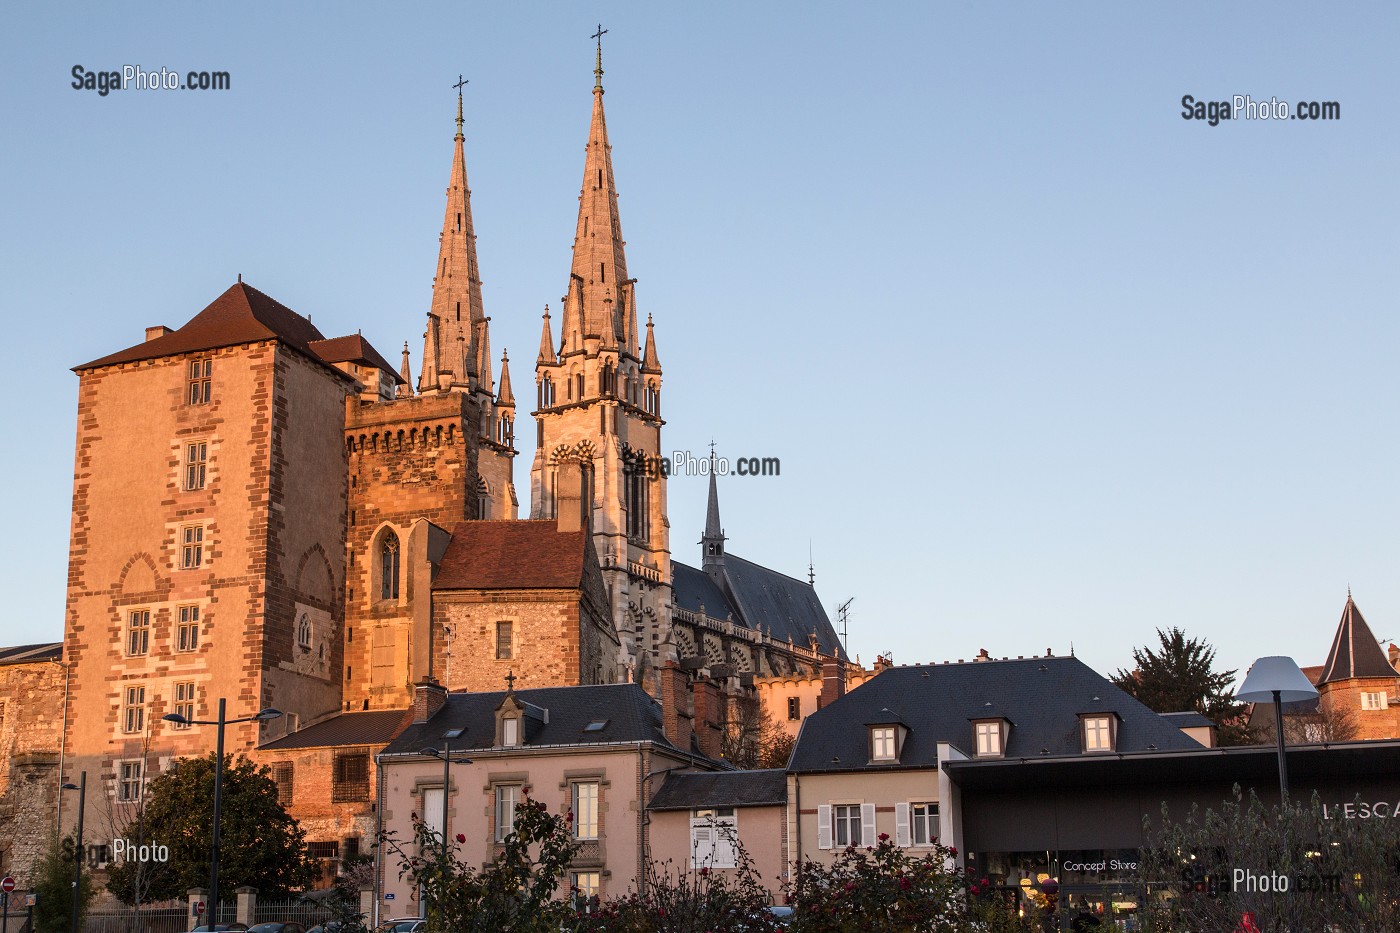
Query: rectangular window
(200, 371)
(794, 708)
(128, 781)
(350, 781)
(196, 459)
(1098, 736)
(504, 631)
(191, 547)
(510, 731)
(989, 738)
(138, 632)
(1371, 700)
(714, 838)
(184, 703)
(585, 805)
(282, 775)
(507, 799)
(134, 711)
(882, 743)
(187, 632)
(923, 818)
(845, 822)
(586, 885)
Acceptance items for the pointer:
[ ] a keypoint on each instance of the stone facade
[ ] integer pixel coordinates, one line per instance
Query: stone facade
(32, 682)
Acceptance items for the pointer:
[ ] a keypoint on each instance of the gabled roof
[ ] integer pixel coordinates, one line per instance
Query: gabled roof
(504, 554)
(375, 727)
(1042, 697)
(1355, 651)
(353, 348)
(692, 790)
(629, 714)
(760, 599)
(24, 654)
(1187, 720)
(240, 315)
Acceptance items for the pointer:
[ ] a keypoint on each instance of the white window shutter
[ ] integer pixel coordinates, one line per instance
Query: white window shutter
(867, 824)
(824, 826)
(702, 846)
(901, 825)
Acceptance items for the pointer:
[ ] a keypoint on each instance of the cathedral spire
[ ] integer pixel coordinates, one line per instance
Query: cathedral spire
(546, 356)
(650, 364)
(406, 372)
(712, 544)
(457, 321)
(505, 398)
(599, 268)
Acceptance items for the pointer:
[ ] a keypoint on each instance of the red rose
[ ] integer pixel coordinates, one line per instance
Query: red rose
(461, 837)
(884, 837)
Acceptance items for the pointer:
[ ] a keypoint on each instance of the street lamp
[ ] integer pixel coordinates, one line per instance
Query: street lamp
(81, 788)
(263, 715)
(447, 760)
(1277, 678)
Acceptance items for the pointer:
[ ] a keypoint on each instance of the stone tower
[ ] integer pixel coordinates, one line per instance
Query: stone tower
(421, 463)
(598, 403)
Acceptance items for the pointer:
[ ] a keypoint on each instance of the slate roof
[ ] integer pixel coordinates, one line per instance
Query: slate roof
(25, 654)
(240, 315)
(1042, 697)
(353, 349)
(631, 716)
(760, 599)
(375, 727)
(1187, 720)
(1355, 651)
(506, 554)
(691, 790)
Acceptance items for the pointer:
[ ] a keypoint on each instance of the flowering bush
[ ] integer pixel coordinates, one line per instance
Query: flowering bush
(515, 893)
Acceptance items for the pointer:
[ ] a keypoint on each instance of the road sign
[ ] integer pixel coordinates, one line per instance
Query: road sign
(7, 884)
(199, 907)
(389, 896)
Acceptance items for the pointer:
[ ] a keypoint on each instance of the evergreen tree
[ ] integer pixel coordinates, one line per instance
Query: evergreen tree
(1180, 677)
(259, 844)
(53, 885)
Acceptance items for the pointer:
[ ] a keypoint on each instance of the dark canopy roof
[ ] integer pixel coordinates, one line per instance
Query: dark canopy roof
(691, 790)
(375, 727)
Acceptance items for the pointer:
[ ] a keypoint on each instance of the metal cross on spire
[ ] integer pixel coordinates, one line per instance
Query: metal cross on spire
(461, 83)
(598, 70)
(510, 681)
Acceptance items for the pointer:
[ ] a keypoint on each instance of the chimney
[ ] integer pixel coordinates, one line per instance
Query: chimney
(709, 718)
(676, 719)
(568, 491)
(883, 662)
(833, 681)
(982, 655)
(1394, 655)
(160, 330)
(429, 696)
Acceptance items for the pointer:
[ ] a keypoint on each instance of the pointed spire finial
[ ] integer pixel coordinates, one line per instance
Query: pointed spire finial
(598, 69)
(510, 681)
(461, 82)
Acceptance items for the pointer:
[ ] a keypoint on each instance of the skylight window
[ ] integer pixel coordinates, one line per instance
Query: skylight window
(597, 725)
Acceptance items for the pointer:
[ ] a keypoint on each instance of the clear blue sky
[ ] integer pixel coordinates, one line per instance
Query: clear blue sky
(1044, 362)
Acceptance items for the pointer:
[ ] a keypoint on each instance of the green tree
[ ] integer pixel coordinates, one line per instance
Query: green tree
(1180, 677)
(53, 883)
(260, 845)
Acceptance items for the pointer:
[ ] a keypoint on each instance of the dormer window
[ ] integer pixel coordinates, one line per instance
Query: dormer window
(882, 743)
(1099, 732)
(991, 738)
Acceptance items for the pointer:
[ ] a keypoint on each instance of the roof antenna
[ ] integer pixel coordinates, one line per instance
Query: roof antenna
(842, 614)
(240, 282)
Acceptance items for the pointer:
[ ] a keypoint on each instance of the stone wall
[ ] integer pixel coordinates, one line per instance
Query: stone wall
(31, 730)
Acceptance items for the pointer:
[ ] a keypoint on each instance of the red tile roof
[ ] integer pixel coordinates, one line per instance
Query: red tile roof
(353, 349)
(240, 315)
(512, 554)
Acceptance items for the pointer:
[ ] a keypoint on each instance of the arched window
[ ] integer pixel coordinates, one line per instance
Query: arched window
(304, 633)
(389, 566)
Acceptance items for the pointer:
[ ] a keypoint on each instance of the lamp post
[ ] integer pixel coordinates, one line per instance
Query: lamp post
(447, 760)
(263, 715)
(1277, 678)
(81, 788)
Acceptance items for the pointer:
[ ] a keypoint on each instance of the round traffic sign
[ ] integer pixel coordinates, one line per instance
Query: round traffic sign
(7, 884)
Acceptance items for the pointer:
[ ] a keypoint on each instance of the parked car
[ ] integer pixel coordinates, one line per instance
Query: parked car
(289, 927)
(223, 928)
(330, 926)
(403, 925)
